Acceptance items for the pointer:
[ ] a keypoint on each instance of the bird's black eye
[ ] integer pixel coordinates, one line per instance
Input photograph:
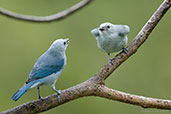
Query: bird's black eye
(108, 27)
(64, 43)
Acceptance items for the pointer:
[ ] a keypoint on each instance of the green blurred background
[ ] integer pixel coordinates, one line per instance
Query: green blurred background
(147, 73)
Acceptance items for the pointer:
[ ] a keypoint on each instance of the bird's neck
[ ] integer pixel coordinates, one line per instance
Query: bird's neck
(57, 54)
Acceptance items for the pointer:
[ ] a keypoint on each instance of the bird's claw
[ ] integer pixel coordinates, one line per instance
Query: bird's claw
(125, 50)
(58, 94)
(40, 97)
(110, 60)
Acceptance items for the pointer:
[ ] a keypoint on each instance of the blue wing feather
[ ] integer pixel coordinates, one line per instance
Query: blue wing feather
(40, 71)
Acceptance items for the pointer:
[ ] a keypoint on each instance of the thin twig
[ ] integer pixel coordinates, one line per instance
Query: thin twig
(49, 18)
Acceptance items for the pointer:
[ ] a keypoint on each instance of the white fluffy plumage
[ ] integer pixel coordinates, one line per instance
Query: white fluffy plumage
(111, 38)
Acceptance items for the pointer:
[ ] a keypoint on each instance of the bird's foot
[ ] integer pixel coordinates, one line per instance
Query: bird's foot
(125, 50)
(40, 97)
(109, 60)
(58, 94)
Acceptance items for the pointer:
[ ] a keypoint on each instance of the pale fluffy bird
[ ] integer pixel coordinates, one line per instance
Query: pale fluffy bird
(111, 38)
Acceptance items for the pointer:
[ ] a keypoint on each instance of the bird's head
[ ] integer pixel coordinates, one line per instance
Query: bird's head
(105, 27)
(59, 45)
(109, 28)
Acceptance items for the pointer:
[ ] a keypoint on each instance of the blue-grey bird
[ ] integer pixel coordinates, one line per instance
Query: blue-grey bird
(111, 38)
(47, 69)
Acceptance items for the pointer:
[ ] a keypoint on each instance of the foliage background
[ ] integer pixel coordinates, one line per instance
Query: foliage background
(147, 73)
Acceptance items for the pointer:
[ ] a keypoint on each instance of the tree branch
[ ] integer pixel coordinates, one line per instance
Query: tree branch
(49, 18)
(80, 90)
(145, 102)
(95, 85)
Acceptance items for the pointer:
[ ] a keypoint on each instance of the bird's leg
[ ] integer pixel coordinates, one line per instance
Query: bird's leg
(38, 89)
(108, 54)
(57, 91)
(125, 50)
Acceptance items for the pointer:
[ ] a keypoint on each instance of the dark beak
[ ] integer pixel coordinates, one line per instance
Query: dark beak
(101, 29)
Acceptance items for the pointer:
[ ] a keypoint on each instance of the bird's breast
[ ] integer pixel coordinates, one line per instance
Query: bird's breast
(111, 44)
(49, 80)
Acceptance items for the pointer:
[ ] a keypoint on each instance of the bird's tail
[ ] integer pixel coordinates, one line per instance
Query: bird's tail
(23, 89)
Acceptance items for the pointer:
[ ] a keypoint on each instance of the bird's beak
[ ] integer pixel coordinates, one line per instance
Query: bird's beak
(101, 29)
(68, 41)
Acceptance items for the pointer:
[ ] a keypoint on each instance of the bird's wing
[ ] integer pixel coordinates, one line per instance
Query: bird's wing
(124, 30)
(40, 71)
(95, 32)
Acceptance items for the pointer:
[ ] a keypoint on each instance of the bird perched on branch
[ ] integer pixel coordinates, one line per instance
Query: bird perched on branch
(111, 38)
(47, 69)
